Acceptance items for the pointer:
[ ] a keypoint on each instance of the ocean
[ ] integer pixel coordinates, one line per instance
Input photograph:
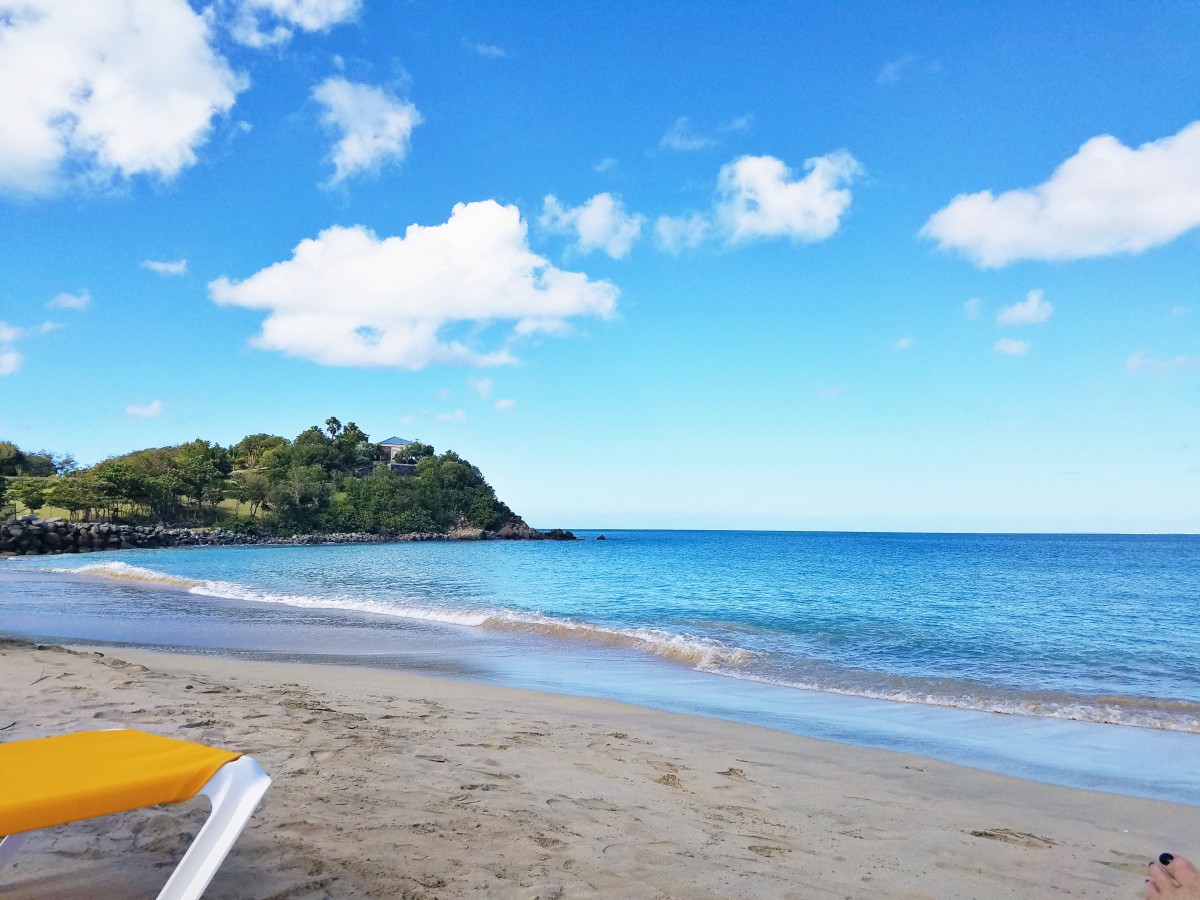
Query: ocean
(1072, 659)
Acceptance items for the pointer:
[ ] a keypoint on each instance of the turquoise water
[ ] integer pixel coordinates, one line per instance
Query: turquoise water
(972, 641)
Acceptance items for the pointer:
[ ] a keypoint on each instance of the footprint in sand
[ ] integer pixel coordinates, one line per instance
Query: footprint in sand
(1015, 837)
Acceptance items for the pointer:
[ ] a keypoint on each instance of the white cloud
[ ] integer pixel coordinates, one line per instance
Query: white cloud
(374, 125)
(676, 233)
(1144, 362)
(10, 334)
(972, 308)
(760, 199)
(1106, 199)
(757, 197)
(600, 223)
(905, 343)
(1178, 312)
(444, 393)
(69, 301)
(457, 416)
(832, 393)
(487, 51)
(482, 386)
(1033, 310)
(170, 267)
(101, 89)
(605, 165)
(738, 123)
(151, 410)
(1010, 347)
(350, 298)
(681, 137)
(505, 405)
(266, 23)
(10, 361)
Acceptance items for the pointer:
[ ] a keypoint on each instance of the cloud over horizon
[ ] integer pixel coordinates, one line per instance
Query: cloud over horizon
(1106, 199)
(102, 89)
(374, 126)
(350, 298)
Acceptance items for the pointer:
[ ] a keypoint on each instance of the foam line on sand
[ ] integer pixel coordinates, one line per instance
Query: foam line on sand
(389, 784)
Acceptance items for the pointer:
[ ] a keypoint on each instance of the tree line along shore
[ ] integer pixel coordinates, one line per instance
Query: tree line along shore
(328, 483)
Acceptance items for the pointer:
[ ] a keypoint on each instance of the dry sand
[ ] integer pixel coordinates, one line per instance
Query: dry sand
(395, 785)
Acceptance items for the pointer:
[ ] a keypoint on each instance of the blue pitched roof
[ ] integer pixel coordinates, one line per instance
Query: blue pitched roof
(396, 441)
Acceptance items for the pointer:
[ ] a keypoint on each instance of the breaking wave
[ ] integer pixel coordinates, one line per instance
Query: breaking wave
(701, 653)
(706, 654)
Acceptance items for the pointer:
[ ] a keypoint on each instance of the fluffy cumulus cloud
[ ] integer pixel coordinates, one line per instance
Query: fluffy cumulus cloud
(265, 23)
(760, 198)
(166, 267)
(601, 223)
(350, 298)
(1106, 199)
(1033, 310)
(151, 410)
(375, 127)
(98, 89)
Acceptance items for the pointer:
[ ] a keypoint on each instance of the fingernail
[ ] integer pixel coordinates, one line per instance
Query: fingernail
(1166, 859)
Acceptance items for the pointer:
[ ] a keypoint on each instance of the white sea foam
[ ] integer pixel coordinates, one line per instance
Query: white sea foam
(1131, 711)
(701, 653)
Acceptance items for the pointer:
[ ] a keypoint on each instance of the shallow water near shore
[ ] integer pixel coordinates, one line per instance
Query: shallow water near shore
(1057, 658)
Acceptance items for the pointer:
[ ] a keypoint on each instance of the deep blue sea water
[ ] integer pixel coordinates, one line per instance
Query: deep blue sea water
(1060, 657)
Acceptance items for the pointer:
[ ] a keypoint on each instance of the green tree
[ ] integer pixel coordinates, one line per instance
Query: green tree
(29, 492)
(249, 451)
(78, 494)
(333, 426)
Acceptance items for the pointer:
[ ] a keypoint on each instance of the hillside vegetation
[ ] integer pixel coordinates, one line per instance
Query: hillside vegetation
(325, 480)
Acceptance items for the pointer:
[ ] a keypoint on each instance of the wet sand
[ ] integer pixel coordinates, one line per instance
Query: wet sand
(389, 784)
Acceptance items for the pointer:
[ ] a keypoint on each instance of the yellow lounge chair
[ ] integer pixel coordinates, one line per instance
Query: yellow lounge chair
(55, 780)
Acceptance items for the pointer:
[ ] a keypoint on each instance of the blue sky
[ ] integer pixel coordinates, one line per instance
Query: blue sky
(820, 266)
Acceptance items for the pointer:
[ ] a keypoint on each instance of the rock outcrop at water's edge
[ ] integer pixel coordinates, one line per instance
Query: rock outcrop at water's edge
(34, 536)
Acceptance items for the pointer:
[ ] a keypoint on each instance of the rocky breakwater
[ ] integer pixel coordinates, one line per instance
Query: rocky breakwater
(35, 537)
(32, 536)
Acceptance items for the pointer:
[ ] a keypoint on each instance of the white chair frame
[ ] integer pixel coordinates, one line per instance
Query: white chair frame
(234, 792)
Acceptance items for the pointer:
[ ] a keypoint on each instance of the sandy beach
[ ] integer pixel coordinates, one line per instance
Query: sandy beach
(395, 785)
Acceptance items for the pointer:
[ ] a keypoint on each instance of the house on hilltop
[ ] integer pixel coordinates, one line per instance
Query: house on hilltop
(398, 458)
